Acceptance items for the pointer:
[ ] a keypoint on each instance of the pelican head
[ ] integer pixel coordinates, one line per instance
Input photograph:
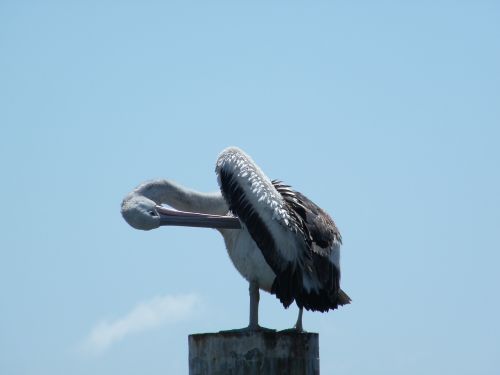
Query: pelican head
(140, 212)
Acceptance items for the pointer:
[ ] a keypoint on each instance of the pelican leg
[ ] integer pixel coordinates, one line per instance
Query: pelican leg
(254, 305)
(298, 328)
(298, 325)
(253, 324)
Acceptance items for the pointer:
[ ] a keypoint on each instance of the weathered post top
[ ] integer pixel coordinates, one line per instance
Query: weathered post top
(252, 353)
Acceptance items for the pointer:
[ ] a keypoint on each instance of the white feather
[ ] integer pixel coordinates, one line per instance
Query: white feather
(247, 258)
(258, 188)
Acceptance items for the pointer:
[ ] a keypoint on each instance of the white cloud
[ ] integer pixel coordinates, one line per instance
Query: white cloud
(145, 315)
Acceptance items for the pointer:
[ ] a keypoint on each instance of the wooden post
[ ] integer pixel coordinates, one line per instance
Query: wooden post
(249, 353)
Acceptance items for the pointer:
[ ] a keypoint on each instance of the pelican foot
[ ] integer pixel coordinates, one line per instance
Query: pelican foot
(293, 330)
(250, 329)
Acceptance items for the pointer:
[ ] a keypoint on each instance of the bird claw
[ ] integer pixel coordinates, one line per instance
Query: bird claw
(250, 329)
(295, 329)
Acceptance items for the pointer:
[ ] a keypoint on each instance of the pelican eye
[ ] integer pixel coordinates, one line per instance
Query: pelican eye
(153, 213)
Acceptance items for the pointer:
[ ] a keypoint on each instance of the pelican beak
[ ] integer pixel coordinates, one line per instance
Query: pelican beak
(193, 219)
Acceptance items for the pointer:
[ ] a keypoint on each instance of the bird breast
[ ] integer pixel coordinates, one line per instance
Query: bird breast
(247, 258)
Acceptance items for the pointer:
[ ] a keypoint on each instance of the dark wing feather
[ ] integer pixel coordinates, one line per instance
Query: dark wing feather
(241, 206)
(321, 235)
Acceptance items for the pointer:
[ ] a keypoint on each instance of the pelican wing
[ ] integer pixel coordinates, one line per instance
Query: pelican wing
(251, 195)
(288, 229)
(321, 263)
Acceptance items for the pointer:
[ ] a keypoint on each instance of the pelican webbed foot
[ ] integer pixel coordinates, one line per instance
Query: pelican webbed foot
(250, 329)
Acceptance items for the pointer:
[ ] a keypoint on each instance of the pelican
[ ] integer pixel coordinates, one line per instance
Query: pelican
(278, 240)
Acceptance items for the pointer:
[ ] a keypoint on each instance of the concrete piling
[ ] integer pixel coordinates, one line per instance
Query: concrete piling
(252, 353)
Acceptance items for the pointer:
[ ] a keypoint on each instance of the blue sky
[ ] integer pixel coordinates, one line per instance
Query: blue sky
(385, 113)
